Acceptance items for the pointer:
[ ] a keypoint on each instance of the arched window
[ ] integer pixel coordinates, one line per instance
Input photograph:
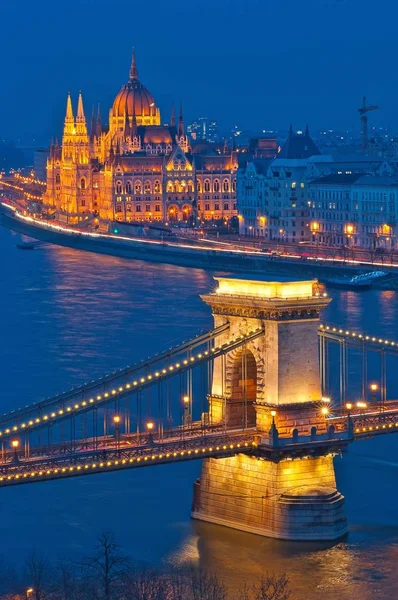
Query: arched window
(176, 165)
(128, 187)
(295, 435)
(225, 185)
(147, 187)
(177, 187)
(199, 185)
(137, 187)
(82, 183)
(216, 185)
(313, 433)
(207, 185)
(58, 178)
(170, 187)
(156, 187)
(118, 187)
(234, 185)
(226, 206)
(216, 206)
(190, 186)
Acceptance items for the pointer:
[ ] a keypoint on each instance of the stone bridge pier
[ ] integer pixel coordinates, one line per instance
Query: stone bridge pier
(271, 384)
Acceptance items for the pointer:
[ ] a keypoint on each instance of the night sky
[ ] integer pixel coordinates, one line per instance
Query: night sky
(254, 63)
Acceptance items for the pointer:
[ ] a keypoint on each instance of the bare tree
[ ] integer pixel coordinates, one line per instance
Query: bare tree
(272, 587)
(106, 569)
(147, 584)
(40, 576)
(205, 586)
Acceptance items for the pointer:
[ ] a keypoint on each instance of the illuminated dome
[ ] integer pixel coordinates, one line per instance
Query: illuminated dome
(134, 98)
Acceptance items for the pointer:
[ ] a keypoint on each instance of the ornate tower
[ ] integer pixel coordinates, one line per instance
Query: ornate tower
(287, 489)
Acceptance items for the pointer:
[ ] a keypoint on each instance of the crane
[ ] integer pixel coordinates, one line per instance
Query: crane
(364, 122)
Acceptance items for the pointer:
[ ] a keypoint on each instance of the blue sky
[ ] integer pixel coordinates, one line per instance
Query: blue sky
(257, 63)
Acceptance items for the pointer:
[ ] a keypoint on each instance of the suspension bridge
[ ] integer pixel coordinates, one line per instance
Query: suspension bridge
(258, 387)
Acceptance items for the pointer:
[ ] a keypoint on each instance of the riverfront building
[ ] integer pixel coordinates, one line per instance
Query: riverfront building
(304, 196)
(136, 168)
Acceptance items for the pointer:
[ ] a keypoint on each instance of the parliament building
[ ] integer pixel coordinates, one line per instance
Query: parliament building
(138, 169)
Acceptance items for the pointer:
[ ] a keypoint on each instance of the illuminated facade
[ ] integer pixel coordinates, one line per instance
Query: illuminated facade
(137, 169)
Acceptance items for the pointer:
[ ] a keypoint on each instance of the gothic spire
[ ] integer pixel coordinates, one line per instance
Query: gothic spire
(133, 68)
(93, 128)
(172, 117)
(69, 111)
(80, 111)
(99, 124)
(181, 123)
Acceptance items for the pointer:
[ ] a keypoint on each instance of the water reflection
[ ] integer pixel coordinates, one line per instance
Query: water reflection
(66, 316)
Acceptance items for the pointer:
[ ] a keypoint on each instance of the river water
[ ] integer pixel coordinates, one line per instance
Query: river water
(68, 316)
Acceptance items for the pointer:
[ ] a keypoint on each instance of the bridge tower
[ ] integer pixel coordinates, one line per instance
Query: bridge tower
(286, 489)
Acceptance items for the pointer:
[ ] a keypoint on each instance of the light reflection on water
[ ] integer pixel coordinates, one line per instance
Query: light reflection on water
(68, 316)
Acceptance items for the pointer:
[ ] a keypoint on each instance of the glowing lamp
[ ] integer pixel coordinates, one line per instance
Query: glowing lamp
(325, 399)
(374, 387)
(15, 444)
(325, 411)
(116, 419)
(150, 425)
(273, 413)
(348, 406)
(186, 399)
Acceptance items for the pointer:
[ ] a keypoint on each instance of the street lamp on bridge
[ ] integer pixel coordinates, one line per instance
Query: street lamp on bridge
(187, 419)
(116, 420)
(373, 388)
(15, 446)
(149, 426)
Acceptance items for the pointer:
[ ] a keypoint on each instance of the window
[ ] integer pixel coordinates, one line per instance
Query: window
(216, 186)
(217, 206)
(147, 207)
(170, 187)
(157, 207)
(199, 186)
(83, 183)
(199, 207)
(128, 187)
(234, 185)
(147, 187)
(226, 206)
(128, 207)
(137, 187)
(118, 187)
(156, 187)
(207, 185)
(138, 208)
(225, 185)
(207, 206)
(58, 178)
(83, 202)
(118, 208)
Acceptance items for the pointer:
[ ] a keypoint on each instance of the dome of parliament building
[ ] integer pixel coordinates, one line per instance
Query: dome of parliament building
(135, 99)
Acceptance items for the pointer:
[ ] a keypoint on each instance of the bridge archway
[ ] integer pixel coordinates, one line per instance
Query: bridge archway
(240, 411)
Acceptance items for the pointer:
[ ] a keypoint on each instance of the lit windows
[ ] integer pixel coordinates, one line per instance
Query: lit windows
(137, 187)
(118, 187)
